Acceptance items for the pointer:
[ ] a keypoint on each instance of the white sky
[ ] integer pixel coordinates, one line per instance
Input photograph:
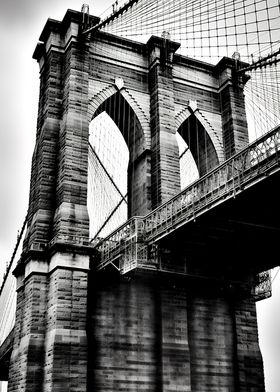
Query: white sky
(21, 22)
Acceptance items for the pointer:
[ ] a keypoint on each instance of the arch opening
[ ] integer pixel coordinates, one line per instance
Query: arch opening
(107, 176)
(120, 111)
(130, 160)
(200, 144)
(188, 169)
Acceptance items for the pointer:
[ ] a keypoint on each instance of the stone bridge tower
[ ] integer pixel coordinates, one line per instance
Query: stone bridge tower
(77, 330)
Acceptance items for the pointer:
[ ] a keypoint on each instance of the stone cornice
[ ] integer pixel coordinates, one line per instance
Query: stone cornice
(59, 27)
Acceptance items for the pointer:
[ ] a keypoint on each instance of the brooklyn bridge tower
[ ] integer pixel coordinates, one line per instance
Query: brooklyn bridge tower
(126, 281)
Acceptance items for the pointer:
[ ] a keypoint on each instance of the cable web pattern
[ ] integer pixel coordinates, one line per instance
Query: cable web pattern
(208, 30)
(262, 93)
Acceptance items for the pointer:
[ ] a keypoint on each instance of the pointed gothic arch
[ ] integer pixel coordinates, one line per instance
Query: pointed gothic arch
(199, 140)
(123, 115)
(106, 93)
(124, 111)
(184, 114)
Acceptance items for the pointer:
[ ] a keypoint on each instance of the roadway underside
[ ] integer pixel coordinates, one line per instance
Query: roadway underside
(239, 236)
(5, 354)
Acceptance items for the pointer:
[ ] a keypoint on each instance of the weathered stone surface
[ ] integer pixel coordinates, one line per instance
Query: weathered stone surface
(148, 332)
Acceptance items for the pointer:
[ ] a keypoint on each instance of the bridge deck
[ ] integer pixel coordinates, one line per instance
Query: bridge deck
(238, 174)
(5, 353)
(207, 200)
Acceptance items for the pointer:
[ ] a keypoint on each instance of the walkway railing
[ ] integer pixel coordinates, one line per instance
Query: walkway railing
(237, 173)
(223, 182)
(8, 292)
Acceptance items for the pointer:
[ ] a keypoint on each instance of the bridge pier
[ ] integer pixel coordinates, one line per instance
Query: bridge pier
(249, 358)
(65, 365)
(27, 359)
(161, 332)
(50, 339)
(147, 330)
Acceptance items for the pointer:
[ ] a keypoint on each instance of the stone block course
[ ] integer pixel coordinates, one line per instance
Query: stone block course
(166, 336)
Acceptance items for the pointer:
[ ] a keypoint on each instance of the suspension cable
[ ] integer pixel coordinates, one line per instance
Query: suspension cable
(108, 175)
(19, 237)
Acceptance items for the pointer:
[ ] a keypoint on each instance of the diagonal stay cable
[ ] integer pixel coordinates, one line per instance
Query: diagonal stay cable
(108, 175)
(108, 218)
(184, 152)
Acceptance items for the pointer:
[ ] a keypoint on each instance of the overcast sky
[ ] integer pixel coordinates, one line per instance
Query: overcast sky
(21, 22)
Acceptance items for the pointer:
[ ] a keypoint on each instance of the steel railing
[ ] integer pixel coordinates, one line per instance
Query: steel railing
(238, 172)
